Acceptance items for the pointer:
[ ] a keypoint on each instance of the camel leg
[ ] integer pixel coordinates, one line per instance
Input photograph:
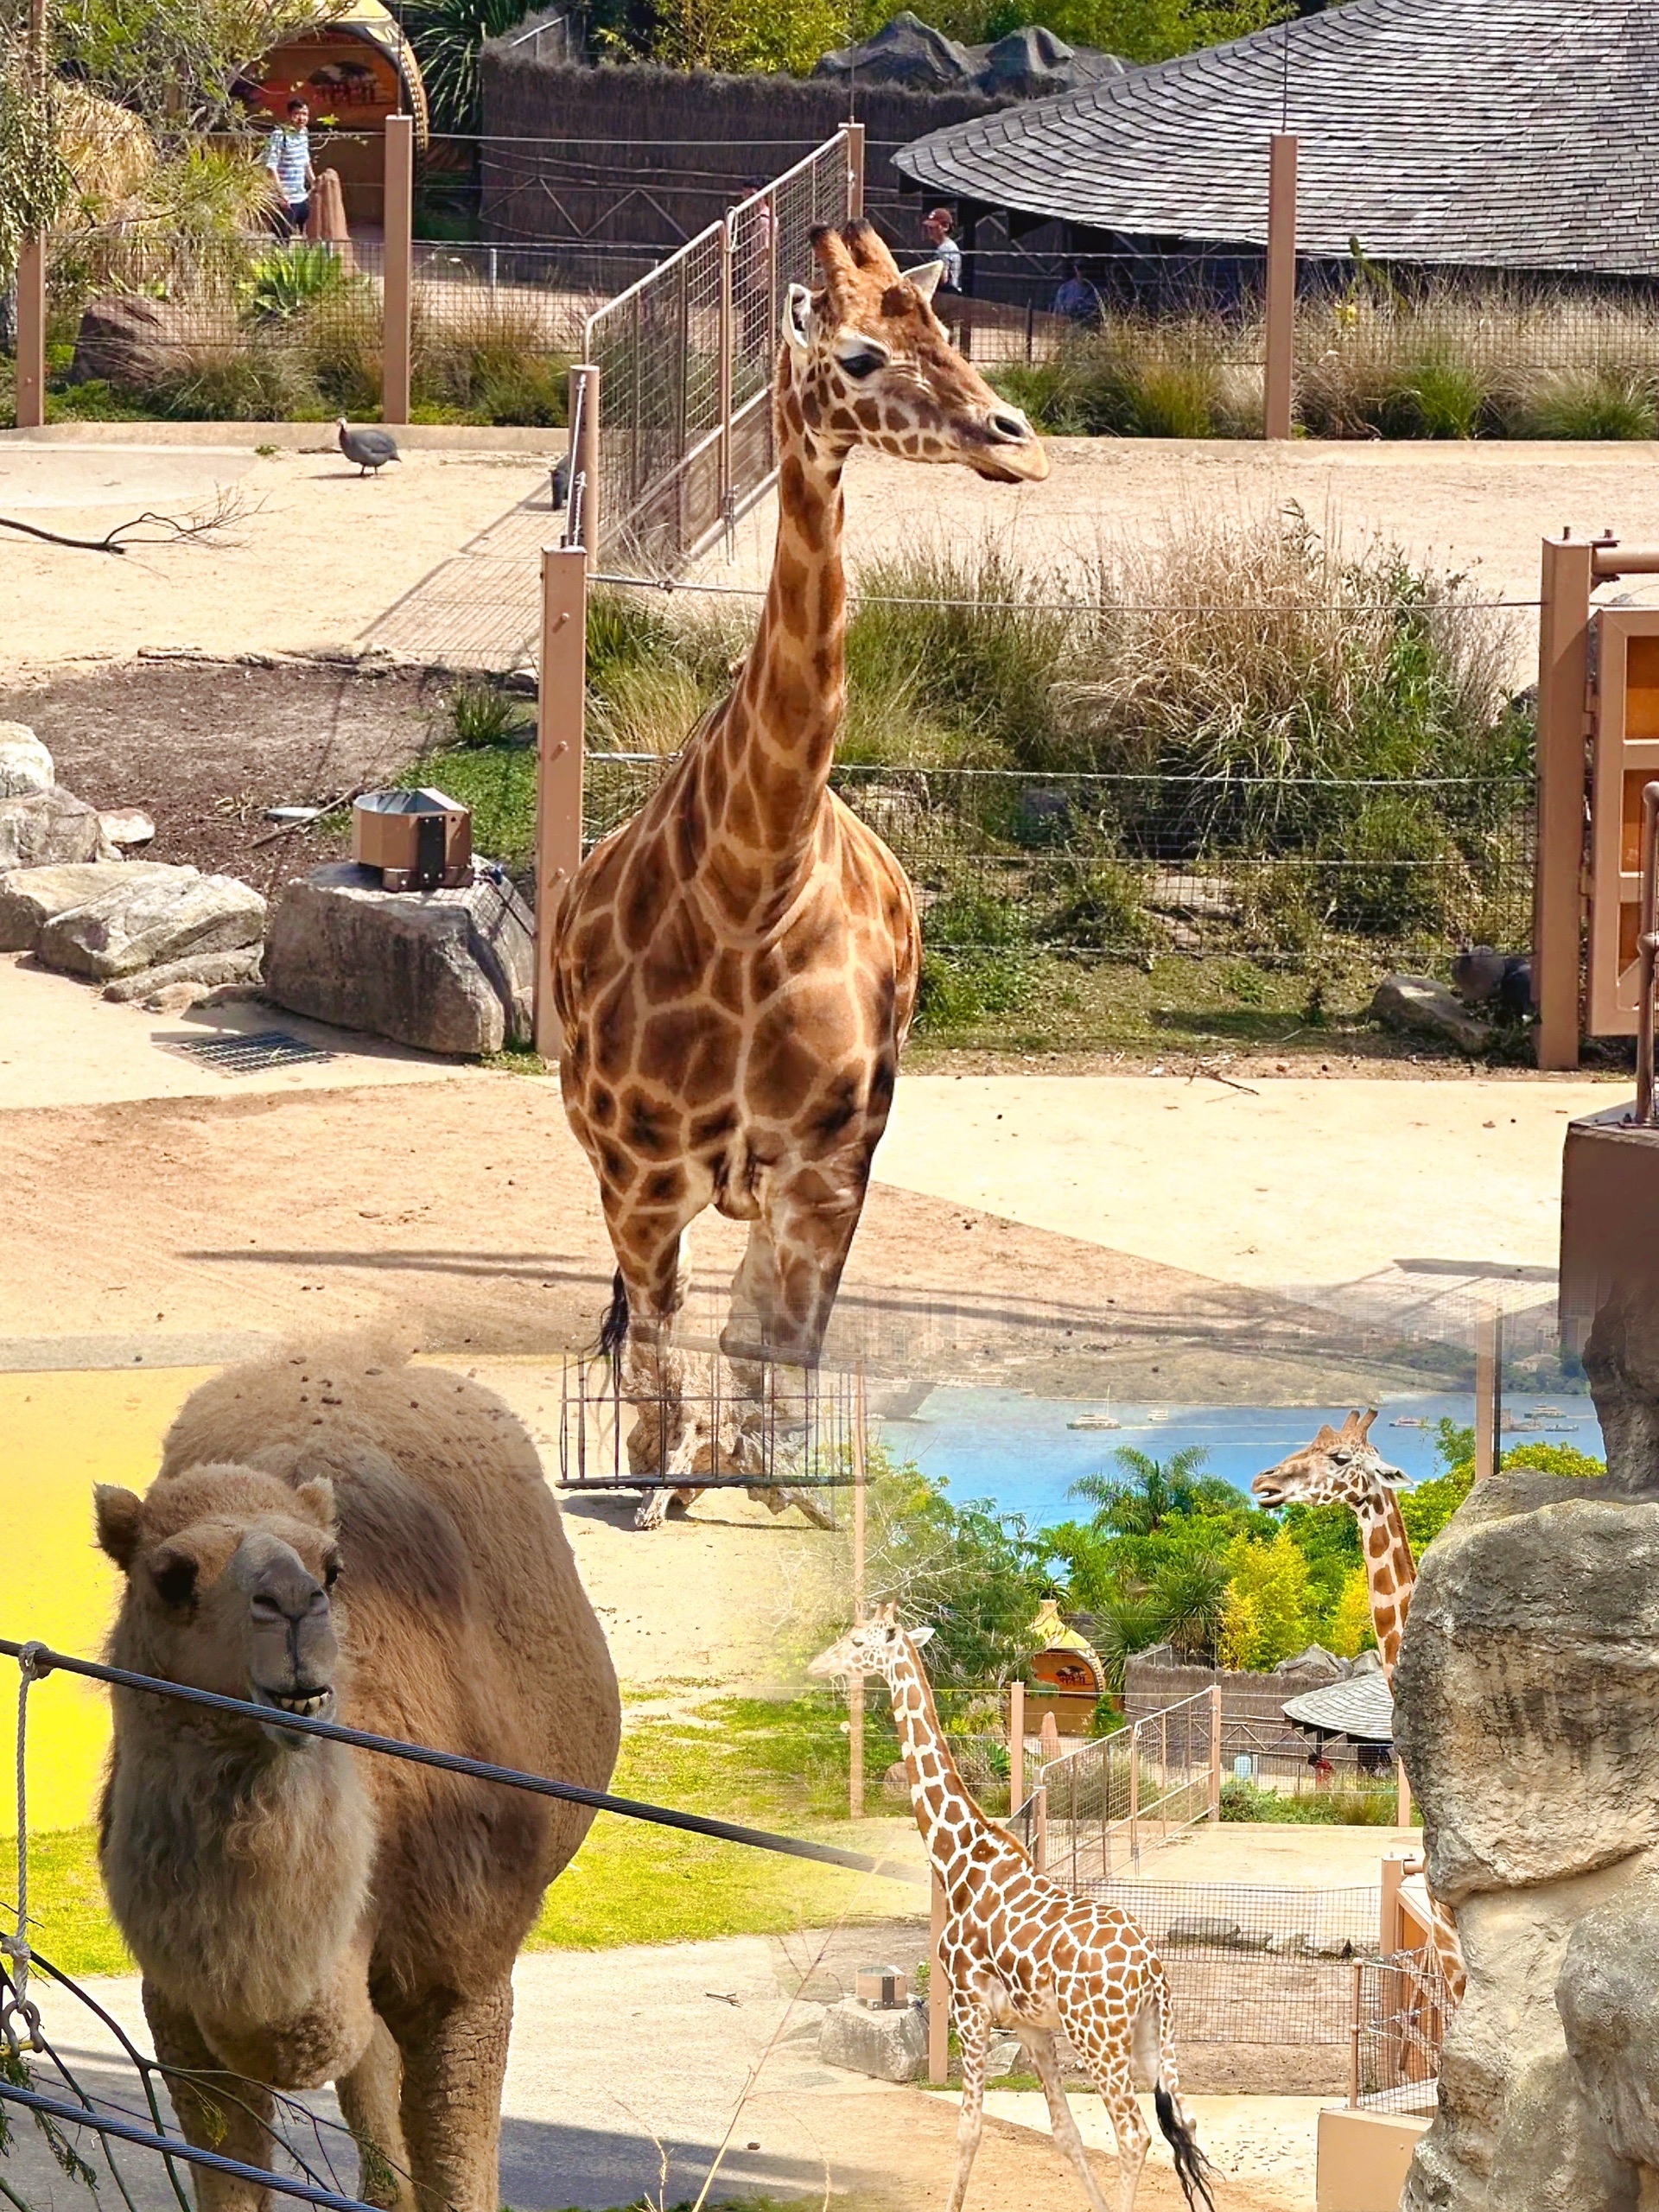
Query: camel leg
(217, 2110)
(369, 2099)
(974, 2037)
(455, 2054)
(1064, 2127)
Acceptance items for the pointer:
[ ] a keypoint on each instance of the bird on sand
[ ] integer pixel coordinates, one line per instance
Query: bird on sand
(368, 448)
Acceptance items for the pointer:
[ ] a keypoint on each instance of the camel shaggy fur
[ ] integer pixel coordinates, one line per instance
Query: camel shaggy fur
(341, 1534)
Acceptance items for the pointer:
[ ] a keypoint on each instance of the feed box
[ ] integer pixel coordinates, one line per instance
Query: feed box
(881, 1989)
(418, 840)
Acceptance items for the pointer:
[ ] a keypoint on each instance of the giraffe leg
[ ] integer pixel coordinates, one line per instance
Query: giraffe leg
(650, 1253)
(973, 2036)
(1064, 2127)
(1105, 2042)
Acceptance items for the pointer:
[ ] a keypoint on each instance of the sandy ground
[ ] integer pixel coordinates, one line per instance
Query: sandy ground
(581, 2130)
(313, 555)
(319, 560)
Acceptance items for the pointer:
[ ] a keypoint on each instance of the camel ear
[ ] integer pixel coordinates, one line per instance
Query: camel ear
(798, 314)
(316, 1499)
(925, 280)
(118, 1513)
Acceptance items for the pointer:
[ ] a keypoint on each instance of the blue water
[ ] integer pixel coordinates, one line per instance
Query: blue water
(1018, 1450)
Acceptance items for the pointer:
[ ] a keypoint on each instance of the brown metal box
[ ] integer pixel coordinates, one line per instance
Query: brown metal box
(419, 839)
(1610, 1218)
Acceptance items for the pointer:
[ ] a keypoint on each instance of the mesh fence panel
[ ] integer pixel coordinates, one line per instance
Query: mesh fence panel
(1108, 1799)
(1401, 2005)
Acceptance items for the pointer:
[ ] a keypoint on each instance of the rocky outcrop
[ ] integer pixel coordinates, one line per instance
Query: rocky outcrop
(48, 829)
(31, 897)
(1607, 1994)
(202, 971)
(1029, 63)
(126, 339)
(167, 914)
(446, 971)
(25, 764)
(1527, 1712)
(1418, 1004)
(889, 2046)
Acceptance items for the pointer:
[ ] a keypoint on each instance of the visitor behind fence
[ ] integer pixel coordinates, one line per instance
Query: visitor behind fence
(288, 158)
(937, 231)
(1076, 298)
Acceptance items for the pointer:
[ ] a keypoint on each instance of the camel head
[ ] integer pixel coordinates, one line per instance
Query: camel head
(869, 364)
(230, 1586)
(1341, 1466)
(874, 1647)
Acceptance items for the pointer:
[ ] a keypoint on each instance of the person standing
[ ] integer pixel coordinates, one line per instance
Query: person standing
(288, 159)
(938, 230)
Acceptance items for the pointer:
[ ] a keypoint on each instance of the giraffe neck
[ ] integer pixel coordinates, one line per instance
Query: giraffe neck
(1389, 1573)
(767, 754)
(947, 1816)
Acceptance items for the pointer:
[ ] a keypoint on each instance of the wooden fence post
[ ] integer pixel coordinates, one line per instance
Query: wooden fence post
(1558, 894)
(854, 134)
(938, 1993)
(1039, 1827)
(31, 333)
(1402, 1795)
(1016, 1746)
(1215, 1751)
(855, 1683)
(561, 713)
(1279, 385)
(1388, 1928)
(397, 254)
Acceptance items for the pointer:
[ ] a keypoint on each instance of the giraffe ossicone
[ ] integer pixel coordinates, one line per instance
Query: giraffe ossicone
(736, 968)
(1019, 1952)
(1341, 1466)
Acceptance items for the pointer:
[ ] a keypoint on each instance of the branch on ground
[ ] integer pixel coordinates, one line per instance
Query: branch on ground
(202, 525)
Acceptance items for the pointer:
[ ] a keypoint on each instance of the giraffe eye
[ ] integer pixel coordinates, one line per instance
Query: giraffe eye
(865, 363)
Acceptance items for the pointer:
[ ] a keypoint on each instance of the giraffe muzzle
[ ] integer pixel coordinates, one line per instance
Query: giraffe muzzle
(1013, 453)
(1268, 1491)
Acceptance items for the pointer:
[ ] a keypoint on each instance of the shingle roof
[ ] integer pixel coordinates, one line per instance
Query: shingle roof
(1362, 1707)
(1512, 134)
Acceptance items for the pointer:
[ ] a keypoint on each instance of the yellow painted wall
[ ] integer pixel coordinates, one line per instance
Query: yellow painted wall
(58, 1435)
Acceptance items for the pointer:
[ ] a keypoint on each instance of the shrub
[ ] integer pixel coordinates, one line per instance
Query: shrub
(483, 714)
(1604, 403)
(1102, 909)
(229, 381)
(292, 278)
(1249, 1800)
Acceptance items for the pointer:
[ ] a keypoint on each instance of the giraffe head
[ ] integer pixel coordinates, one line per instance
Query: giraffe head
(1341, 1466)
(869, 364)
(876, 1646)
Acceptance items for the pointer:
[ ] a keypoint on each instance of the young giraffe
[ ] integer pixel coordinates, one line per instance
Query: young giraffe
(1019, 1952)
(1344, 1467)
(737, 965)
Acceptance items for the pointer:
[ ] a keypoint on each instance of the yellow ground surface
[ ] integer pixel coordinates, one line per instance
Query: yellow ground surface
(59, 1433)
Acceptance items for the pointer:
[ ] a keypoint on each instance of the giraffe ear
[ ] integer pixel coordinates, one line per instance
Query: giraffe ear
(925, 280)
(798, 313)
(1324, 1440)
(921, 1635)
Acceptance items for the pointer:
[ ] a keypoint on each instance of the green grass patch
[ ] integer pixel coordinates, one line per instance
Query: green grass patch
(69, 1917)
(1365, 1808)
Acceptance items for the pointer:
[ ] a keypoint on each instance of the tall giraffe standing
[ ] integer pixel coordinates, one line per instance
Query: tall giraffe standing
(1019, 1952)
(737, 966)
(1341, 1466)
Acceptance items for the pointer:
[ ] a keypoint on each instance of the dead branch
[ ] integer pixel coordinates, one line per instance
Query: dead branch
(229, 507)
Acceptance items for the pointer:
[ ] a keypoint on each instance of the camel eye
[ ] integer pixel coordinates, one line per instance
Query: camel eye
(330, 1573)
(176, 1579)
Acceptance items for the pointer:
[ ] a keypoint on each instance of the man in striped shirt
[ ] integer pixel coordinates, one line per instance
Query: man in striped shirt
(288, 157)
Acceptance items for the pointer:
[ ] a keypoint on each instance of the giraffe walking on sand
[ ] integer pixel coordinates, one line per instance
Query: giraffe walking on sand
(737, 966)
(1018, 1952)
(1341, 1466)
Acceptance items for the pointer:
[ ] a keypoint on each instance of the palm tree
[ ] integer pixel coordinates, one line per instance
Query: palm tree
(1148, 1491)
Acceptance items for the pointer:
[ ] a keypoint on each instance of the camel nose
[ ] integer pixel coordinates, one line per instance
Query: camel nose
(286, 1590)
(1009, 424)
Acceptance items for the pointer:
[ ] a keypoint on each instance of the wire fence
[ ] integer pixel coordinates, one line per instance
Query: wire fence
(685, 357)
(1102, 1802)
(1008, 865)
(1400, 2008)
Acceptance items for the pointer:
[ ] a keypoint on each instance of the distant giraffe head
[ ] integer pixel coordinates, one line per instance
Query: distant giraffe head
(1341, 1466)
(880, 1645)
(869, 362)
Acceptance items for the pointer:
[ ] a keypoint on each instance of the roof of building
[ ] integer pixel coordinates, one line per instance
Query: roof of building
(1361, 1707)
(1499, 134)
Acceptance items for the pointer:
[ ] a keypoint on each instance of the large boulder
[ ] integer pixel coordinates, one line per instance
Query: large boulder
(1607, 1994)
(905, 51)
(201, 972)
(167, 915)
(47, 829)
(32, 897)
(887, 2046)
(126, 339)
(447, 971)
(1527, 1713)
(25, 764)
(1419, 1005)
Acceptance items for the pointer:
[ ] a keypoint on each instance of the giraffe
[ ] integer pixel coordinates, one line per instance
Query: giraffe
(1019, 1952)
(1341, 1466)
(737, 966)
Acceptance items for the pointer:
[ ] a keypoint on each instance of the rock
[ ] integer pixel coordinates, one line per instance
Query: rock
(1418, 1003)
(174, 998)
(1527, 1712)
(1031, 63)
(126, 339)
(25, 764)
(895, 1783)
(126, 827)
(204, 971)
(887, 2046)
(447, 971)
(46, 829)
(1607, 1994)
(31, 897)
(168, 915)
(1005, 2056)
(1202, 1929)
(905, 51)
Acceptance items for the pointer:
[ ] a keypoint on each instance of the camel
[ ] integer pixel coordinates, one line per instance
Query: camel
(338, 1534)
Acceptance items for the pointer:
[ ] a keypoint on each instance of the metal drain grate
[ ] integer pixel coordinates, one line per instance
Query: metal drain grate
(246, 1055)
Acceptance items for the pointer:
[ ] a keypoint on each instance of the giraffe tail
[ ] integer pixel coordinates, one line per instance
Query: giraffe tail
(613, 1328)
(1193, 2169)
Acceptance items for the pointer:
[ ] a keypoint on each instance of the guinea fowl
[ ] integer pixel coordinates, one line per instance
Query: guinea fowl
(369, 448)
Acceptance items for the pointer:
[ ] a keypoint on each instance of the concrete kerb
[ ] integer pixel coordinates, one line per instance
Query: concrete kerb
(289, 438)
